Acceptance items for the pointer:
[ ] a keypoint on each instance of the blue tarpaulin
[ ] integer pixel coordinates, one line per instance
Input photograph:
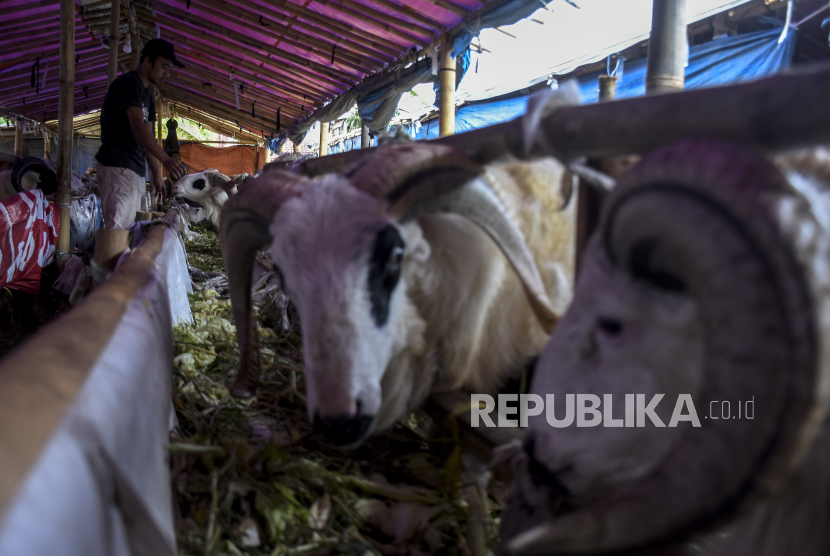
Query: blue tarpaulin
(719, 62)
(378, 100)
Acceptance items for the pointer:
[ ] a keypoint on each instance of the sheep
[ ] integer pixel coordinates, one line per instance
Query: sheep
(707, 276)
(416, 270)
(209, 188)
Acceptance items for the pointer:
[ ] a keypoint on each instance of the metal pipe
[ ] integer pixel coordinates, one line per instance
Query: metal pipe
(667, 47)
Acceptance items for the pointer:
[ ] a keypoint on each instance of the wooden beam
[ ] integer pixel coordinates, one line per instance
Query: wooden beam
(304, 83)
(281, 59)
(261, 89)
(67, 78)
(383, 21)
(297, 30)
(325, 22)
(115, 15)
(667, 47)
(446, 90)
(311, 45)
(251, 74)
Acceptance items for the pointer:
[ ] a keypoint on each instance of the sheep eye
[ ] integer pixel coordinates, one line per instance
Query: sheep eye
(395, 258)
(610, 326)
(199, 184)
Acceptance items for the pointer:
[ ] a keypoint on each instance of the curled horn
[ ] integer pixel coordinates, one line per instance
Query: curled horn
(245, 229)
(47, 178)
(700, 217)
(223, 182)
(420, 179)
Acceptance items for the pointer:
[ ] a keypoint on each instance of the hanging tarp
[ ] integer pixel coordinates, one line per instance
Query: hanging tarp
(720, 62)
(378, 99)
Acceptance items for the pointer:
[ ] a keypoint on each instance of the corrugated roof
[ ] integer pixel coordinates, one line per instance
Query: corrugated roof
(288, 57)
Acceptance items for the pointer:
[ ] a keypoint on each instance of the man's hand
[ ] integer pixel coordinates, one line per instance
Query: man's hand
(175, 168)
(161, 191)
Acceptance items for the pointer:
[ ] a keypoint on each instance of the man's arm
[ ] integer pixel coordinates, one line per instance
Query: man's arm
(144, 134)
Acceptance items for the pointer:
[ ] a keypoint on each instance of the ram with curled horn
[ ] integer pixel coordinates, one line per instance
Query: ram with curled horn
(699, 335)
(414, 271)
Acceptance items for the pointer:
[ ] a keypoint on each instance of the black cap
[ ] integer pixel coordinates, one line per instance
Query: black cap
(161, 47)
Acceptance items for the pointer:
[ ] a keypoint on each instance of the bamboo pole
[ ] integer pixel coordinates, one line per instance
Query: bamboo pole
(135, 57)
(18, 137)
(297, 148)
(115, 15)
(283, 146)
(256, 159)
(324, 138)
(67, 96)
(446, 91)
(607, 87)
(667, 47)
(364, 136)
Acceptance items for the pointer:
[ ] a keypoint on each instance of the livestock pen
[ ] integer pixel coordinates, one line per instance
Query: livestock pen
(119, 437)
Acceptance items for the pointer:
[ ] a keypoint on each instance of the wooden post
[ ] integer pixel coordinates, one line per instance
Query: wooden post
(65, 112)
(365, 141)
(18, 137)
(256, 159)
(283, 146)
(667, 47)
(297, 148)
(446, 91)
(324, 138)
(115, 15)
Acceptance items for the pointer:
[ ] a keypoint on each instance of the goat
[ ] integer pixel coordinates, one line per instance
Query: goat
(210, 188)
(416, 270)
(707, 276)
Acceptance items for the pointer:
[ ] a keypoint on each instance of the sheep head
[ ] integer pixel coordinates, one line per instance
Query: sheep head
(687, 287)
(346, 251)
(207, 186)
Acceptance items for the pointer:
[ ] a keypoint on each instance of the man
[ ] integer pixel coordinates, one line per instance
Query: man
(127, 141)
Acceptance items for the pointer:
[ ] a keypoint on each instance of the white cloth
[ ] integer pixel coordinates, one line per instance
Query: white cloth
(102, 484)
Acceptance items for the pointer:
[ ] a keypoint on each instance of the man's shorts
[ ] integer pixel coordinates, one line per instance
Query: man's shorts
(122, 191)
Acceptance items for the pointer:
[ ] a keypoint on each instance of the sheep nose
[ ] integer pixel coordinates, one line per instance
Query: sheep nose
(342, 430)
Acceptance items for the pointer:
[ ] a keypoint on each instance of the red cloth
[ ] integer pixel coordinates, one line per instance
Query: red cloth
(228, 160)
(28, 237)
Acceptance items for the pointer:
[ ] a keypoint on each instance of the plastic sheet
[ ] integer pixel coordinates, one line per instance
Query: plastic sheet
(102, 483)
(66, 281)
(84, 217)
(28, 237)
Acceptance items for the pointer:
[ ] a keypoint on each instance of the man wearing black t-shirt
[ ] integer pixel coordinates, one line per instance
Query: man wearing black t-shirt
(127, 141)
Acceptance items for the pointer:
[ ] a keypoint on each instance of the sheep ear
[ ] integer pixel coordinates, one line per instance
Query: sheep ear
(703, 218)
(418, 178)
